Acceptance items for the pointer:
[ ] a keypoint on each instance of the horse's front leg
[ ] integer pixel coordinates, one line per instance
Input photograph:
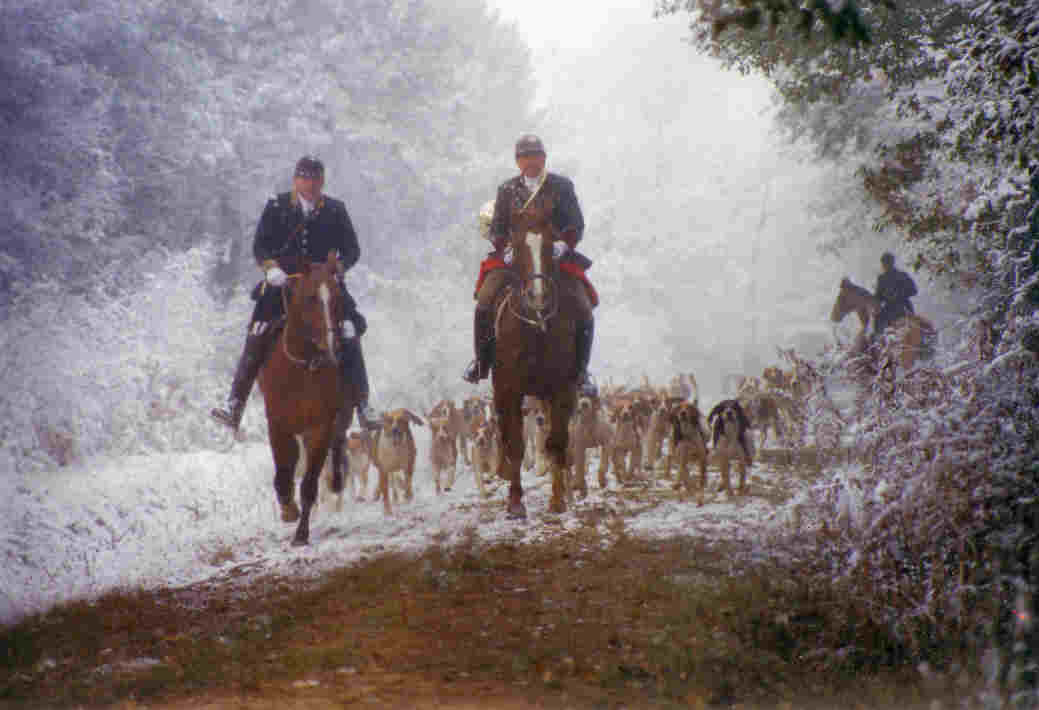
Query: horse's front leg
(285, 450)
(317, 451)
(510, 422)
(556, 445)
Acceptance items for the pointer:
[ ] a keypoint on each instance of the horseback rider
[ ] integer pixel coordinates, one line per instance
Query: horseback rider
(303, 224)
(513, 195)
(894, 289)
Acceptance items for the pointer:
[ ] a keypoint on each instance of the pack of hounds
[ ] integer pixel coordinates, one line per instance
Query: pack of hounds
(640, 433)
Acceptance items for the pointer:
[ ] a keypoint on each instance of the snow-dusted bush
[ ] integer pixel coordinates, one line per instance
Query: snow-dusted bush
(114, 371)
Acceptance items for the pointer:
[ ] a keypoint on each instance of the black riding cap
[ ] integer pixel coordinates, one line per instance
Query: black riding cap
(528, 145)
(309, 167)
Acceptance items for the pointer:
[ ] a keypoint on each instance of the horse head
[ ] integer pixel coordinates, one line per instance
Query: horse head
(840, 306)
(532, 239)
(315, 308)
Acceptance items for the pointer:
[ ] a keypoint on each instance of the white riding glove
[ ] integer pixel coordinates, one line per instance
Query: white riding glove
(349, 330)
(559, 249)
(276, 277)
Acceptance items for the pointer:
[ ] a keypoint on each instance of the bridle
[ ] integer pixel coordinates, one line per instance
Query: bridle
(322, 359)
(520, 307)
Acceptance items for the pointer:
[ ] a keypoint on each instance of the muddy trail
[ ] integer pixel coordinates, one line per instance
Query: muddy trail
(591, 614)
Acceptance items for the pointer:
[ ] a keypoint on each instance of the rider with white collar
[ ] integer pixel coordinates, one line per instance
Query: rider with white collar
(303, 224)
(513, 196)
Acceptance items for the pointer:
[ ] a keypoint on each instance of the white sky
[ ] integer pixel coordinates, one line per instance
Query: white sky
(572, 25)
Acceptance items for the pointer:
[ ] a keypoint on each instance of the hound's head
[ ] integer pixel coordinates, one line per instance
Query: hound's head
(473, 409)
(441, 429)
(397, 424)
(484, 438)
(444, 408)
(586, 404)
(687, 412)
(625, 413)
(730, 415)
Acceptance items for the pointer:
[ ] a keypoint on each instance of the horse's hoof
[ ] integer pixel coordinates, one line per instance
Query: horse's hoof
(289, 513)
(517, 511)
(300, 541)
(557, 506)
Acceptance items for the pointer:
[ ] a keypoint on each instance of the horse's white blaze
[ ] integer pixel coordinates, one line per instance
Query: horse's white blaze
(534, 242)
(326, 304)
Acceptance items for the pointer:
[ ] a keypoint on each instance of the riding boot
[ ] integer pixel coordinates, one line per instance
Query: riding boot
(483, 344)
(354, 372)
(585, 334)
(252, 358)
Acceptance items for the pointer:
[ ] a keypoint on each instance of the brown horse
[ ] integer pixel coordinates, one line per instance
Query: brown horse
(536, 330)
(304, 392)
(912, 334)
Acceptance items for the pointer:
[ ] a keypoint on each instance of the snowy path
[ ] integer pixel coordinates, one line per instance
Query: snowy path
(171, 520)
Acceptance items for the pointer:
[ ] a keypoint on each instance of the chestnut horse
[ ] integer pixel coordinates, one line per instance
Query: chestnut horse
(536, 330)
(304, 392)
(912, 334)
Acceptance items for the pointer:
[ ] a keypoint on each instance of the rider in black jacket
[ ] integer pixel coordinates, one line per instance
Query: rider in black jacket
(894, 289)
(303, 224)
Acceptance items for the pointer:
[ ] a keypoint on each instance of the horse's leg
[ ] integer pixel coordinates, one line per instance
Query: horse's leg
(286, 453)
(743, 476)
(560, 411)
(510, 457)
(317, 450)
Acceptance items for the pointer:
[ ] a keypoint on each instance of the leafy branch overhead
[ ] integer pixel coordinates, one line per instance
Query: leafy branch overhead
(842, 19)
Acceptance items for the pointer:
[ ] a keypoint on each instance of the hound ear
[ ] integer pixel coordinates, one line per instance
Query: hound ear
(414, 419)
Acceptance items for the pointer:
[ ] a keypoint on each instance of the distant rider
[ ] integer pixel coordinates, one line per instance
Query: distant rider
(297, 225)
(894, 289)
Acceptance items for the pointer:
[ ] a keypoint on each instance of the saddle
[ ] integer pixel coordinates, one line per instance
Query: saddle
(572, 267)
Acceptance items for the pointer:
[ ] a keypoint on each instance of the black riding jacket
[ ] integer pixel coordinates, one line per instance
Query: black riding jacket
(513, 194)
(283, 235)
(895, 288)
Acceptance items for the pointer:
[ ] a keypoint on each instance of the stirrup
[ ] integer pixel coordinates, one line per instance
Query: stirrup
(586, 385)
(473, 373)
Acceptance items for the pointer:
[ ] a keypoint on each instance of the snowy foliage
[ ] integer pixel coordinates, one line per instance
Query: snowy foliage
(936, 114)
(131, 126)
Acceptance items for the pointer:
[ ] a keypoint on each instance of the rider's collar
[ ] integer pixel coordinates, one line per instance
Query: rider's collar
(296, 200)
(533, 183)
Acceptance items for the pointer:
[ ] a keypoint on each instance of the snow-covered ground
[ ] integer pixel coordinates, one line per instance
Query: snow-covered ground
(170, 520)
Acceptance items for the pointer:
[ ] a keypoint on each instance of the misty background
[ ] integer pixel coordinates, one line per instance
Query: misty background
(141, 141)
